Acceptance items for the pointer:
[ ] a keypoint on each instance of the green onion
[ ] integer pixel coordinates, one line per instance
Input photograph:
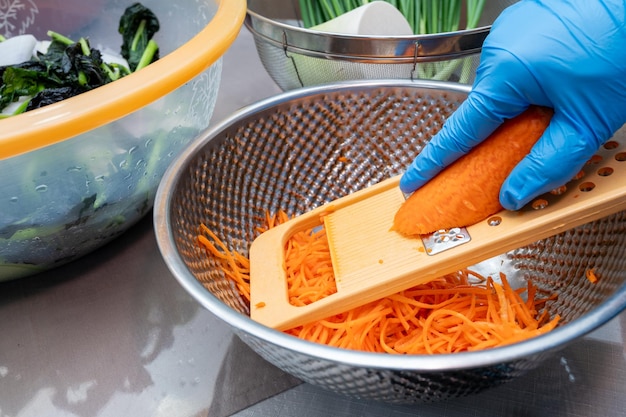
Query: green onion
(424, 16)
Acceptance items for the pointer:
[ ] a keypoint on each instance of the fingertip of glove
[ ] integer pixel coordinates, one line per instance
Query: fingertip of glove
(511, 198)
(510, 203)
(406, 184)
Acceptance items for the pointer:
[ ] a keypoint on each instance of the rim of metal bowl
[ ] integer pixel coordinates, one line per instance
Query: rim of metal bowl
(554, 340)
(367, 49)
(60, 121)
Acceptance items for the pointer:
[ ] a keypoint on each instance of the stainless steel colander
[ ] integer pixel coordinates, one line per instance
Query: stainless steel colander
(312, 145)
(298, 57)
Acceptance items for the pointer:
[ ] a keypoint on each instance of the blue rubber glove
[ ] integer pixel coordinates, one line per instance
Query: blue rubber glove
(567, 55)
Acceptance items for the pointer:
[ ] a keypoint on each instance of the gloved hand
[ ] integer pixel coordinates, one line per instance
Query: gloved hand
(567, 55)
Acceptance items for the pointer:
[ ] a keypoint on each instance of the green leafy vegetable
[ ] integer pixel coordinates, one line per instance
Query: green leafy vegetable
(137, 26)
(69, 67)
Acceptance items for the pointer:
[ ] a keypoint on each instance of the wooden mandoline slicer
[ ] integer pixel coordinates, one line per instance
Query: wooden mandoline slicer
(371, 262)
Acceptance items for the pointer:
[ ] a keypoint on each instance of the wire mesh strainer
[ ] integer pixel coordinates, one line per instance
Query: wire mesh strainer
(297, 57)
(302, 148)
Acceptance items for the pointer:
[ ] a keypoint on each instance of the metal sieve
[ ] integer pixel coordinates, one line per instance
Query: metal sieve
(298, 57)
(305, 147)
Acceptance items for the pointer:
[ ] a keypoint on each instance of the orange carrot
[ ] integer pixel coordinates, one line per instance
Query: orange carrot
(455, 313)
(467, 191)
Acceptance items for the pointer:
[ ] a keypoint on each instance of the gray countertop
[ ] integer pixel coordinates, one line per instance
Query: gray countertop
(113, 334)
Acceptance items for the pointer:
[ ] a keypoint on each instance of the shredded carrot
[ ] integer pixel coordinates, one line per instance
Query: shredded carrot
(308, 267)
(234, 265)
(591, 275)
(458, 312)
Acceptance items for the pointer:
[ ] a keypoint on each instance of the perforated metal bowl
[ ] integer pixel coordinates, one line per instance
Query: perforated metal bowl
(305, 147)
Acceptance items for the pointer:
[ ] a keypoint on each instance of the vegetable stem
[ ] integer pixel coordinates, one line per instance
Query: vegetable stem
(84, 46)
(19, 110)
(60, 38)
(148, 55)
(138, 35)
(82, 78)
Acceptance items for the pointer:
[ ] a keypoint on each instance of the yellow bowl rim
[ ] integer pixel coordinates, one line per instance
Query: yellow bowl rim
(66, 119)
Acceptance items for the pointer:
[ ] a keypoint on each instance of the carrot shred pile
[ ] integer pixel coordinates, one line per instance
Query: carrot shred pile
(233, 264)
(458, 312)
(308, 267)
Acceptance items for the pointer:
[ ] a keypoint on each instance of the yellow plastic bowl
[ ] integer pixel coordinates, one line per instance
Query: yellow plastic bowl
(76, 174)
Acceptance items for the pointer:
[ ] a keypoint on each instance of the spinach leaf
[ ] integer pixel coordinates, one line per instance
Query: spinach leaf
(138, 25)
(87, 68)
(52, 95)
(17, 81)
